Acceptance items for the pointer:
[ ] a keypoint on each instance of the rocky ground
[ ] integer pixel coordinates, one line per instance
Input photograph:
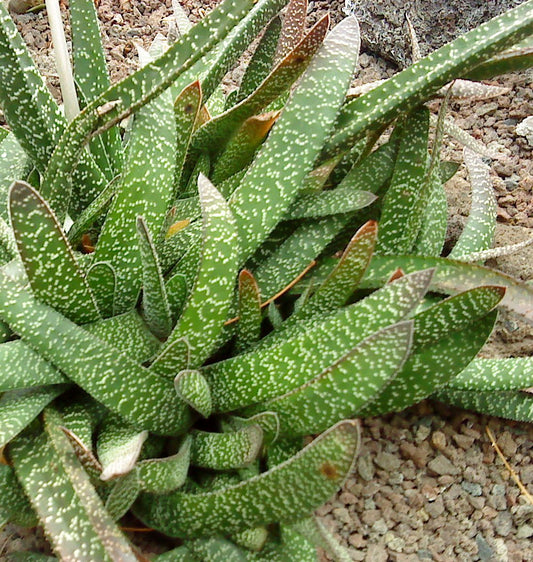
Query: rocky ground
(428, 484)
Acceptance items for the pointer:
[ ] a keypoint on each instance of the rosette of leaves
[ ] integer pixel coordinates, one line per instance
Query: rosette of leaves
(194, 301)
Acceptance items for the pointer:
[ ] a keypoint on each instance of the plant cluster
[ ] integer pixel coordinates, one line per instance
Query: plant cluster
(194, 299)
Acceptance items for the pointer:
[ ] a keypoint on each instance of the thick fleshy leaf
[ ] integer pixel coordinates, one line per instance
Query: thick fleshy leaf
(90, 72)
(293, 27)
(452, 276)
(124, 492)
(273, 181)
(174, 359)
(102, 280)
(15, 506)
(155, 303)
(251, 539)
(267, 421)
(216, 132)
(292, 361)
(193, 389)
(286, 492)
(68, 495)
(118, 447)
(180, 554)
(502, 374)
(126, 97)
(406, 90)
(512, 405)
(13, 163)
(205, 312)
(478, 234)
(404, 202)
(225, 451)
(161, 476)
(250, 315)
(341, 390)
(431, 367)
(53, 272)
(18, 408)
(97, 367)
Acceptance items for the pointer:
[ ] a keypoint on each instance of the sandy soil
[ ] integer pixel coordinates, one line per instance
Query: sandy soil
(428, 484)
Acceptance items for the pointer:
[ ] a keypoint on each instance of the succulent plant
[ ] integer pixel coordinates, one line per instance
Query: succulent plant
(194, 300)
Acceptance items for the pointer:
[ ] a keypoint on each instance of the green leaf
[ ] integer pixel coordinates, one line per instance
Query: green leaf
(251, 539)
(276, 495)
(403, 205)
(452, 276)
(100, 369)
(502, 374)
(216, 132)
(193, 389)
(284, 364)
(18, 408)
(124, 492)
(67, 496)
(272, 182)
(406, 90)
(216, 549)
(118, 447)
(331, 202)
(519, 57)
(172, 360)
(511, 405)
(161, 476)
(250, 314)
(54, 275)
(15, 505)
(293, 27)
(102, 280)
(431, 367)
(90, 69)
(225, 451)
(13, 163)
(205, 311)
(343, 388)
(180, 554)
(155, 303)
(267, 421)
(478, 234)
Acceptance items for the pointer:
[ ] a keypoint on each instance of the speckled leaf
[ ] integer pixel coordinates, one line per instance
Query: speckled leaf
(13, 163)
(124, 492)
(91, 213)
(118, 447)
(102, 280)
(292, 361)
(431, 367)
(161, 476)
(217, 549)
(202, 166)
(186, 110)
(154, 301)
(90, 70)
(273, 181)
(146, 189)
(225, 451)
(8, 245)
(502, 374)
(296, 252)
(172, 360)
(453, 276)
(241, 148)
(126, 97)
(344, 387)
(97, 367)
(293, 27)
(401, 216)
(15, 506)
(406, 90)
(205, 311)
(288, 491)
(515, 59)
(251, 539)
(267, 421)
(180, 554)
(261, 61)
(23, 368)
(30, 557)
(85, 455)
(193, 389)
(216, 132)
(478, 233)
(68, 495)
(343, 280)
(20, 407)
(296, 546)
(317, 533)
(512, 405)
(249, 310)
(54, 275)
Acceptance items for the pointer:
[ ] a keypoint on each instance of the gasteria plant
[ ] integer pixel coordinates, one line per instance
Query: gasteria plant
(176, 320)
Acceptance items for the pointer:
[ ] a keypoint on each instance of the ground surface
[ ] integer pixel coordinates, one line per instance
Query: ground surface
(428, 484)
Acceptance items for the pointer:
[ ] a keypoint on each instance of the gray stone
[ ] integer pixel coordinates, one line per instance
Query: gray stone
(365, 467)
(484, 550)
(503, 524)
(441, 465)
(524, 532)
(388, 462)
(376, 553)
(471, 488)
(436, 22)
(424, 555)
